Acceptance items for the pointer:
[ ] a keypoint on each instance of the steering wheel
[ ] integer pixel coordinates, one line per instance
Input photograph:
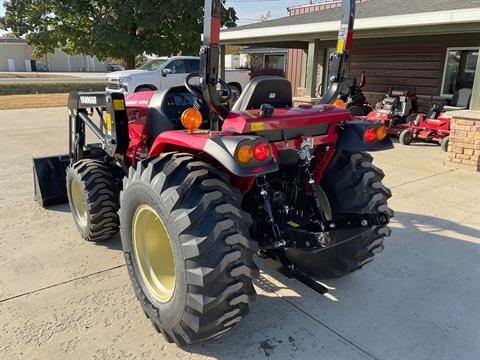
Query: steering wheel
(196, 90)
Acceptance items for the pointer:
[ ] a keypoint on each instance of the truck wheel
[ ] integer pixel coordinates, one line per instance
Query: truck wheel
(351, 184)
(93, 199)
(187, 247)
(444, 143)
(406, 137)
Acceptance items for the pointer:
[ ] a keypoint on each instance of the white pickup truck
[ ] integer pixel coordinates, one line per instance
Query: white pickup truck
(165, 72)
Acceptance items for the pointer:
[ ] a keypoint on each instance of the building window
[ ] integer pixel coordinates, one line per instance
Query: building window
(460, 66)
(275, 61)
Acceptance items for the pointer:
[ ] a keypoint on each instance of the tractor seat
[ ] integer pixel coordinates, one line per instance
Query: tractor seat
(272, 90)
(460, 100)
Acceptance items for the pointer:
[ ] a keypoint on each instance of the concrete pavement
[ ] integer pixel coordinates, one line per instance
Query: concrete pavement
(61, 297)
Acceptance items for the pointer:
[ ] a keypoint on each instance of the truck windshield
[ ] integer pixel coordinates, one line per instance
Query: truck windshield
(153, 65)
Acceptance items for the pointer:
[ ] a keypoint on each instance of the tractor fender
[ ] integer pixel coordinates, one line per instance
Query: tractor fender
(221, 148)
(351, 137)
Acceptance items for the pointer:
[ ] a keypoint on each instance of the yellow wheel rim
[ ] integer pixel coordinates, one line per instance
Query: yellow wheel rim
(78, 201)
(154, 254)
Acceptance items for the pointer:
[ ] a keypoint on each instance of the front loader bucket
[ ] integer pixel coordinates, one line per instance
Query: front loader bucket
(49, 179)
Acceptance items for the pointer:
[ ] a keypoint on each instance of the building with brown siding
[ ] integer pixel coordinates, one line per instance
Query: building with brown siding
(430, 45)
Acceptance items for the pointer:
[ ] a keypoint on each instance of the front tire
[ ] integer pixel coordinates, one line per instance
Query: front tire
(352, 184)
(211, 251)
(406, 137)
(93, 198)
(444, 143)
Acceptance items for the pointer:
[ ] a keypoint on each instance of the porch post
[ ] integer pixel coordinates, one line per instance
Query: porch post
(475, 102)
(221, 70)
(312, 68)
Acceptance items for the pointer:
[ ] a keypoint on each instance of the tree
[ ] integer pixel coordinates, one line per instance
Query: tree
(119, 29)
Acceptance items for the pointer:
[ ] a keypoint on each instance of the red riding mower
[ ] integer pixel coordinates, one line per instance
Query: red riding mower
(394, 110)
(434, 126)
(196, 189)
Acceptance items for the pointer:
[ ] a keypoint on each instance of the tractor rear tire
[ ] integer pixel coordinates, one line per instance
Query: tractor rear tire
(209, 287)
(406, 137)
(444, 143)
(352, 184)
(93, 198)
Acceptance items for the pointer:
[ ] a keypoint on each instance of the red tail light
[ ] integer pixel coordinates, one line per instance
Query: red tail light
(261, 151)
(370, 135)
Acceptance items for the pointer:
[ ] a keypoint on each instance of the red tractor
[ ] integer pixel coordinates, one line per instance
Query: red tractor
(196, 189)
(433, 126)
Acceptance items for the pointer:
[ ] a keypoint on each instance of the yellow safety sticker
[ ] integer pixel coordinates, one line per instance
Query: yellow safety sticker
(118, 105)
(293, 224)
(340, 45)
(256, 126)
(249, 115)
(108, 121)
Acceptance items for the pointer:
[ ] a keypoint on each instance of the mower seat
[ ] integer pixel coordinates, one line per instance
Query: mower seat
(272, 90)
(460, 100)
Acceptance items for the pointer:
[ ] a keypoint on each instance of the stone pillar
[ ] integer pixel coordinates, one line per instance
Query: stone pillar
(464, 141)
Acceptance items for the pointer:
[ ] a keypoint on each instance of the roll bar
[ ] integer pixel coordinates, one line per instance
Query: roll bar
(210, 51)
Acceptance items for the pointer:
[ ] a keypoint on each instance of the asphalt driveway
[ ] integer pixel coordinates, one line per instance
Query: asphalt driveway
(64, 298)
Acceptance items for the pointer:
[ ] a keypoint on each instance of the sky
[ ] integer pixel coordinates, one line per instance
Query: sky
(249, 11)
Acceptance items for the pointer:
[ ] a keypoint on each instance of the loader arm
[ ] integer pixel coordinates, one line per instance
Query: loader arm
(341, 58)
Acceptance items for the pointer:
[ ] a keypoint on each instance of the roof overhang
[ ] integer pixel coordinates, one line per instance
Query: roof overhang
(430, 23)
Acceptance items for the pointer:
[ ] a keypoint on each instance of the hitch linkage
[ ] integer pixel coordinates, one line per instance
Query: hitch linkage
(289, 236)
(350, 221)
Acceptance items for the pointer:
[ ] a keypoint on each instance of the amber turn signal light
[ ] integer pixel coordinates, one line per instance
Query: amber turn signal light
(244, 154)
(339, 102)
(191, 119)
(382, 133)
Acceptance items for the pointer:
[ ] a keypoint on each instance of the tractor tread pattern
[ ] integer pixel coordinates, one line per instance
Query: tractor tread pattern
(215, 243)
(370, 242)
(357, 186)
(102, 198)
